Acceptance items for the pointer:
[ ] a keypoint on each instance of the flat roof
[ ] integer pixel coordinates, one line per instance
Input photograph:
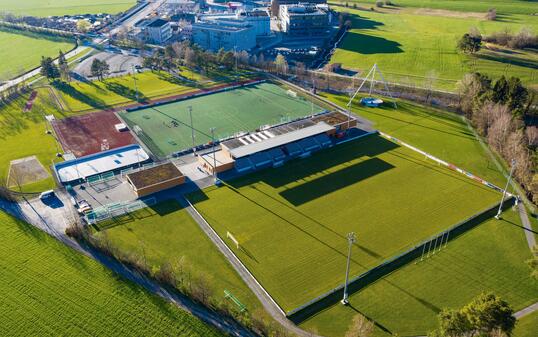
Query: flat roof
(154, 175)
(157, 22)
(220, 157)
(280, 139)
(101, 162)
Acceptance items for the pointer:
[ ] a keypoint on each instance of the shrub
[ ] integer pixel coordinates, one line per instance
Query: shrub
(379, 4)
(491, 14)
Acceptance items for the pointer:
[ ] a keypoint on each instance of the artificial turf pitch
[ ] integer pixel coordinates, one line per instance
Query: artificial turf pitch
(167, 128)
(292, 222)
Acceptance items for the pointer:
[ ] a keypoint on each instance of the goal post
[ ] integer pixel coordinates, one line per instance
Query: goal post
(234, 240)
(291, 93)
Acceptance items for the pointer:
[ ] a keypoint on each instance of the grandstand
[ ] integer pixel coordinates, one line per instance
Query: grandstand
(272, 146)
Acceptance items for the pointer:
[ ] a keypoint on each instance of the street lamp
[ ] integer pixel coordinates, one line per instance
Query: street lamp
(498, 216)
(351, 238)
(192, 129)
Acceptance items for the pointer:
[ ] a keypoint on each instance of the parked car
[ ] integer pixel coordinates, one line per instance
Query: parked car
(83, 207)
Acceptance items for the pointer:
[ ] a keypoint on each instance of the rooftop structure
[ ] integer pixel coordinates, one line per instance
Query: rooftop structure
(275, 137)
(99, 163)
(230, 35)
(303, 19)
(155, 179)
(156, 30)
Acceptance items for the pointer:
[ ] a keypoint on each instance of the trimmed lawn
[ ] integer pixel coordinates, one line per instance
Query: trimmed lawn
(441, 133)
(25, 50)
(490, 257)
(231, 111)
(97, 95)
(291, 222)
(167, 233)
(64, 7)
(527, 326)
(23, 134)
(410, 48)
(502, 6)
(50, 289)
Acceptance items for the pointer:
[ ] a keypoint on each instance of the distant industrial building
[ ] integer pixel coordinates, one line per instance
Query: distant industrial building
(258, 18)
(303, 19)
(275, 4)
(230, 35)
(156, 30)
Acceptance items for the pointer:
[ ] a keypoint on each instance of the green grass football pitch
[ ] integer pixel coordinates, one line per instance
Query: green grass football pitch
(64, 7)
(489, 257)
(25, 50)
(291, 222)
(167, 129)
(49, 289)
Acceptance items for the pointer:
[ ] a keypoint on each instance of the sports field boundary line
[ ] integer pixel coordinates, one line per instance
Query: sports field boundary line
(223, 245)
(446, 164)
(389, 265)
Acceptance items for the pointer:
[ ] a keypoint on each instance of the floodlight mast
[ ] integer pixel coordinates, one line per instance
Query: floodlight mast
(351, 238)
(498, 216)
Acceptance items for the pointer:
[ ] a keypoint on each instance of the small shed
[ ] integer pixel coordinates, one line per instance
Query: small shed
(155, 179)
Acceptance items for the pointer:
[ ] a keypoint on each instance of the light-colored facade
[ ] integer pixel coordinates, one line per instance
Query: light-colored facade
(157, 31)
(303, 19)
(214, 35)
(259, 19)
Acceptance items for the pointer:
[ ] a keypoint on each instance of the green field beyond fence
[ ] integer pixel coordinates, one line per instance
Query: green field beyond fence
(292, 222)
(167, 128)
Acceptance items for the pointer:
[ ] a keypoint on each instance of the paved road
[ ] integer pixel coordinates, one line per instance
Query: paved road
(51, 220)
(37, 71)
(529, 232)
(130, 22)
(525, 311)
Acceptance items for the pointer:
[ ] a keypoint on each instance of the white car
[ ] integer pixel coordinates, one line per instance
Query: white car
(83, 207)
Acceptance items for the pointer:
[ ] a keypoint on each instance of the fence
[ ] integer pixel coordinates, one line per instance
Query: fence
(117, 209)
(387, 266)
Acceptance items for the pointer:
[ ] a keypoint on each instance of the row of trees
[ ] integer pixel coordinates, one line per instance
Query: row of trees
(497, 111)
(53, 71)
(471, 43)
(187, 54)
(179, 274)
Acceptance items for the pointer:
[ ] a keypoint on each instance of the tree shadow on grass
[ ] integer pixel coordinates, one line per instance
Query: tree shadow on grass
(368, 44)
(69, 90)
(176, 80)
(512, 60)
(126, 92)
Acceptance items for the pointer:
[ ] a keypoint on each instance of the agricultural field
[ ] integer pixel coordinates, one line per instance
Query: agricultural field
(25, 51)
(64, 7)
(97, 95)
(502, 6)
(418, 49)
(489, 257)
(167, 129)
(23, 135)
(441, 133)
(390, 196)
(49, 289)
(167, 234)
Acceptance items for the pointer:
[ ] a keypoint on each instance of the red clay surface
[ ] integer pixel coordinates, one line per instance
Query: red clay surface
(84, 135)
(30, 101)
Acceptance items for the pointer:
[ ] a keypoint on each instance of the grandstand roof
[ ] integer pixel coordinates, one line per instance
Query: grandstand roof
(278, 136)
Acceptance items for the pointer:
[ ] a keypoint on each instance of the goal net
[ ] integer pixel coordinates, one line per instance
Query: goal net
(291, 93)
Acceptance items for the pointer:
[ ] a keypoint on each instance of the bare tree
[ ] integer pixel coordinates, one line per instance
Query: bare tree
(532, 136)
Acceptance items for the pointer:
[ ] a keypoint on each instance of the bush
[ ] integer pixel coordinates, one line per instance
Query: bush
(491, 14)
(379, 4)
(389, 3)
